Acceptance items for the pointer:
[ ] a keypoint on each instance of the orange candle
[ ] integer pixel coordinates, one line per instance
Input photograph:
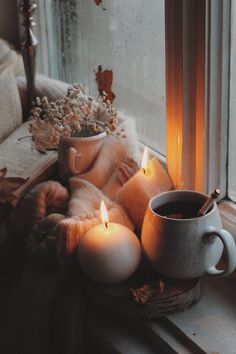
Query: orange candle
(149, 181)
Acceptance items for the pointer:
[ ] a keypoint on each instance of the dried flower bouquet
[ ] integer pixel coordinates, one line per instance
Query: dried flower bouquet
(75, 115)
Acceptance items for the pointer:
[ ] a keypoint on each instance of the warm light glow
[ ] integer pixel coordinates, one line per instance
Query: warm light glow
(144, 160)
(104, 214)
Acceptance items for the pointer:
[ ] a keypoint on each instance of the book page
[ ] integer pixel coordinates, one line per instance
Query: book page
(10, 106)
(22, 160)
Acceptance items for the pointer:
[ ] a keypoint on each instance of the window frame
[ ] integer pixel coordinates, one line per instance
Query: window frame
(197, 91)
(210, 107)
(198, 104)
(197, 67)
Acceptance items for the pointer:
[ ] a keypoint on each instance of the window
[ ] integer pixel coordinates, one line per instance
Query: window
(130, 39)
(126, 37)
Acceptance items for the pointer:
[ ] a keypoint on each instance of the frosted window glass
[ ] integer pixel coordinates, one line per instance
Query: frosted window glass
(127, 38)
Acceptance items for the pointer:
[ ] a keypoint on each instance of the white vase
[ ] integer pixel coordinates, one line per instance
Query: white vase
(76, 155)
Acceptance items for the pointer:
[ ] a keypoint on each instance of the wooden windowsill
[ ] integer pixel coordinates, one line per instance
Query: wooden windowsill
(207, 327)
(228, 216)
(211, 323)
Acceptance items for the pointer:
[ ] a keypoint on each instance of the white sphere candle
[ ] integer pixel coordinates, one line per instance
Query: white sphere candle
(109, 253)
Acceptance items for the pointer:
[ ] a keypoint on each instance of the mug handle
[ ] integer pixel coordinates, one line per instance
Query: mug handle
(72, 154)
(230, 248)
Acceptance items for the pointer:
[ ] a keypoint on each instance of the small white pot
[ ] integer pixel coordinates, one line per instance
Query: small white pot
(76, 155)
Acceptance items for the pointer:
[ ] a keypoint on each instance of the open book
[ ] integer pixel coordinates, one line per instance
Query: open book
(22, 160)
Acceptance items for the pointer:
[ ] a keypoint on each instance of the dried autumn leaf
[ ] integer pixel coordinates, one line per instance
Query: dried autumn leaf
(143, 295)
(8, 185)
(98, 2)
(148, 292)
(45, 135)
(104, 80)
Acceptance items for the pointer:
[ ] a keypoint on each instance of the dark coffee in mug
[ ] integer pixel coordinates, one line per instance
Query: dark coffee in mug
(181, 209)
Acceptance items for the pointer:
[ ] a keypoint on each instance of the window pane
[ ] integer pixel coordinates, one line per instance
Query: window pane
(126, 37)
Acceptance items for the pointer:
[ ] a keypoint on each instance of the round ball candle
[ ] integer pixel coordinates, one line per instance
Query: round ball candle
(109, 253)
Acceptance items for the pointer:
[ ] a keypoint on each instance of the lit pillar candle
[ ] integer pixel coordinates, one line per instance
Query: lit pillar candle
(149, 181)
(109, 253)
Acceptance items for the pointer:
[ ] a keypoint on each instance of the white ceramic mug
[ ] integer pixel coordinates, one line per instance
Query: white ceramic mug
(186, 248)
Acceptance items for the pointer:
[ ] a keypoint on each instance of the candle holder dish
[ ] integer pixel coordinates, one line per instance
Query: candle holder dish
(145, 295)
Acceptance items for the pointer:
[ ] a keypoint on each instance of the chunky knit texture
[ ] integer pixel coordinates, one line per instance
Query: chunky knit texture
(45, 197)
(101, 182)
(110, 179)
(71, 230)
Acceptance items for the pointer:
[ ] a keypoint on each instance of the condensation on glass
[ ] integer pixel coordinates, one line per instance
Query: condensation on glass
(124, 36)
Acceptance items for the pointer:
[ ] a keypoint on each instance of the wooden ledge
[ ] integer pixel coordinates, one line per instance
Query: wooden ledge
(207, 327)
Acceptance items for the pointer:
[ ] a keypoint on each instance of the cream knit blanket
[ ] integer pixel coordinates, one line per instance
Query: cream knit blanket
(108, 179)
(116, 162)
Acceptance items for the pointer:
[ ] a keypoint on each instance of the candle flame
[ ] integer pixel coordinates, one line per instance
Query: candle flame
(104, 214)
(144, 160)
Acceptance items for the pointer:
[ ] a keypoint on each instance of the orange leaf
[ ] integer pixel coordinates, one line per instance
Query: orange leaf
(45, 136)
(104, 80)
(98, 2)
(8, 185)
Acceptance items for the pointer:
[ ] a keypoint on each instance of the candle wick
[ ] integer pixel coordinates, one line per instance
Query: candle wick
(106, 224)
(144, 170)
